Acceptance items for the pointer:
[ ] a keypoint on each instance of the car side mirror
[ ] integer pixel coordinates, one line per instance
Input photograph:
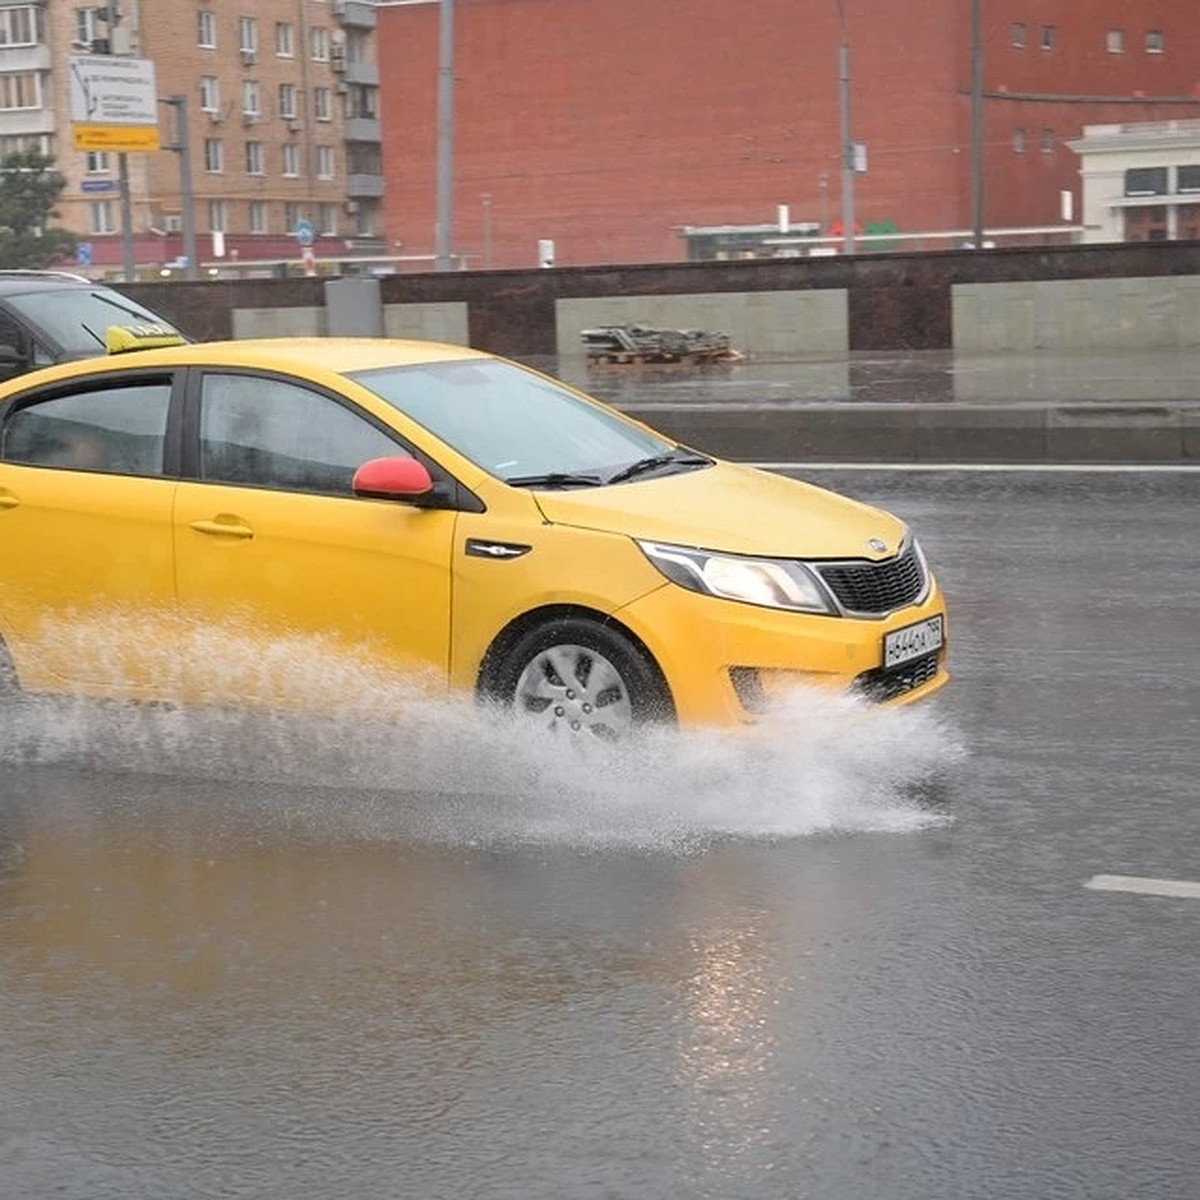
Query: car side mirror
(392, 479)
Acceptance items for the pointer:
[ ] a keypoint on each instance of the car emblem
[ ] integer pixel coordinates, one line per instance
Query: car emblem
(877, 544)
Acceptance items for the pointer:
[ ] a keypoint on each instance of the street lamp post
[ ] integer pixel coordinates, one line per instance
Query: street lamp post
(445, 140)
(844, 121)
(187, 201)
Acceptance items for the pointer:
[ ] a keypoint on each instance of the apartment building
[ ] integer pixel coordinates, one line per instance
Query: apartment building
(279, 100)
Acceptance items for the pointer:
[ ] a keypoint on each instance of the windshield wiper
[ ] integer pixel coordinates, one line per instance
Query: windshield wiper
(554, 479)
(676, 457)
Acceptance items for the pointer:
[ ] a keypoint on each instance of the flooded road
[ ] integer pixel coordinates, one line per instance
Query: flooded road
(848, 954)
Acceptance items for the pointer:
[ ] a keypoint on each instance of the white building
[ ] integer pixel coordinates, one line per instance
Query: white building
(1141, 182)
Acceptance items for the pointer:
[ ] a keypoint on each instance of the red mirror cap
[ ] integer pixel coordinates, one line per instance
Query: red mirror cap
(389, 477)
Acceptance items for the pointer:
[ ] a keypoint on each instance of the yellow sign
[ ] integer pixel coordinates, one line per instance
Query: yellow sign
(115, 137)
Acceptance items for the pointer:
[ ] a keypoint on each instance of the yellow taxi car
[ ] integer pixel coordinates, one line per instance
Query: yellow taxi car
(453, 514)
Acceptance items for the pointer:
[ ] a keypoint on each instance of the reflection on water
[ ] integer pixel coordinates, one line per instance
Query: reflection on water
(400, 948)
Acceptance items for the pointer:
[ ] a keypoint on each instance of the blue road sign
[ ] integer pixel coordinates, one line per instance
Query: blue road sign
(304, 233)
(83, 254)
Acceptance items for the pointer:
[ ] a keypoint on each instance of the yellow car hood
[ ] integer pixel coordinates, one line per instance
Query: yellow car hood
(732, 508)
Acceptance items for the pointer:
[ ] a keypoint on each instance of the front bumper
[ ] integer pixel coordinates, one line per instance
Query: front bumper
(727, 662)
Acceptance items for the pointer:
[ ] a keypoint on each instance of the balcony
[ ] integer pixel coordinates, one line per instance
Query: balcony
(363, 129)
(364, 187)
(357, 13)
(366, 74)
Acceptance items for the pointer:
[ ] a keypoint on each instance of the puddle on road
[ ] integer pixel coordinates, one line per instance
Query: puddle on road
(394, 763)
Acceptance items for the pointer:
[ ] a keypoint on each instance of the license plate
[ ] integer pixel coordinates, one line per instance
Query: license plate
(913, 641)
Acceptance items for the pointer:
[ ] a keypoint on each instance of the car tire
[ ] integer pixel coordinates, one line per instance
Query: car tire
(579, 678)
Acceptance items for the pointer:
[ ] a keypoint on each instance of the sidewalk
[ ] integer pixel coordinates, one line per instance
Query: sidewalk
(1136, 407)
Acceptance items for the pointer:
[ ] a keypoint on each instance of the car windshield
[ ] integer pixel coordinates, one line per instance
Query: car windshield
(75, 318)
(514, 423)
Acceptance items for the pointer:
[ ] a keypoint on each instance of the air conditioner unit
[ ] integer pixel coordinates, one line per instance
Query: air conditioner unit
(217, 118)
(337, 57)
(249, 57)
(249, 118)
(173, 223)
(339, 8)
(293, 126)
(341, 87)
(351, 206)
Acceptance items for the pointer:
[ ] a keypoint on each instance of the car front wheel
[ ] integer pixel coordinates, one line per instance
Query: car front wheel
(579, 678)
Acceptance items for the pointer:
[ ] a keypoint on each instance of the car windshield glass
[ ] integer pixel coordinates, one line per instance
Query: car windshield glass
(76, 318)
(512, 422)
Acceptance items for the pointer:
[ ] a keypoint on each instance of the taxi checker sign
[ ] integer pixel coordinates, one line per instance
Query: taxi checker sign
(114, 103)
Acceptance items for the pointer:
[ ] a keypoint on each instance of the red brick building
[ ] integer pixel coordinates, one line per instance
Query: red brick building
(612, 128)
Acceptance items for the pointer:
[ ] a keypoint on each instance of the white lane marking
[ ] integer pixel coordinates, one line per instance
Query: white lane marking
(1031, 468)
(1179, 888)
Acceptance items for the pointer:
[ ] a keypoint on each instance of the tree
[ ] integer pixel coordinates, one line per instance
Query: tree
(29, 189)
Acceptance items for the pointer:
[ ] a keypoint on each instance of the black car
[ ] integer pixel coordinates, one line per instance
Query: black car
(50, 317)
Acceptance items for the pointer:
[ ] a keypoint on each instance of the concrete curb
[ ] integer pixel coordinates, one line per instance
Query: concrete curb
(1129, 433)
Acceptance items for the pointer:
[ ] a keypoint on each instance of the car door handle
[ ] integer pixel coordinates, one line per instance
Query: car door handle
(9, 502)
(223, 528)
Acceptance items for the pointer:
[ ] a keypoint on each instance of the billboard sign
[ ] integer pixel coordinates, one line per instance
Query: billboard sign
(114, 103)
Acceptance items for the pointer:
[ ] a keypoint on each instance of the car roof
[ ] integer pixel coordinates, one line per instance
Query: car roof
(315, 355)
(17, 283)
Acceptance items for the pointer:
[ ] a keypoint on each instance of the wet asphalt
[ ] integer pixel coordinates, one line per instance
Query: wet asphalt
(852, 955)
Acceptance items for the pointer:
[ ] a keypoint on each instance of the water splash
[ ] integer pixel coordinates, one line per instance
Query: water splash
(360, 752)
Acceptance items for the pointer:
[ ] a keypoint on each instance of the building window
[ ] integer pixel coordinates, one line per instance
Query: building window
(1146, 181)
(291, 216)
(218, 216)
(325, 162)
(322, 108)
(1047, 37)
(85, 27)
(1115, 42)
(1018, 141)
(97, 162)
(206, 29)
(287, 100)
(1188, 180)
(251, 98)
(254, 158)
(20, 89)
(24, 143)
(1188, 218)
(258, 216)
(327, 220)
(214, 156)
(319, 36)
(1146, 224)
(1154, 41)
(210, 94)
(291, 160)
(1018, 34)
(361, 101)
(19, 27)
(248, 35)
(283, 39)
(100, 216)
(1047, 140)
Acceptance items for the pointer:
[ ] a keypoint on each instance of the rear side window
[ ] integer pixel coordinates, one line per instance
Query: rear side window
(119, 429)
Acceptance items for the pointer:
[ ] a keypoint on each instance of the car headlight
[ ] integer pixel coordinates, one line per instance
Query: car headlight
(772, 583)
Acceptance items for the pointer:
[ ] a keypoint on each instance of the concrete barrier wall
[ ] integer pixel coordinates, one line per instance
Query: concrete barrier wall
(996, 300)
(1078, 314)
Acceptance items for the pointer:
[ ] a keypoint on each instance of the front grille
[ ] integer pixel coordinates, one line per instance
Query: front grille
(874, 589)
(880, 685)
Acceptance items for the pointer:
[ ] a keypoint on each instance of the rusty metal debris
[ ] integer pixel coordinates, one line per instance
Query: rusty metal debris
(637, 344)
